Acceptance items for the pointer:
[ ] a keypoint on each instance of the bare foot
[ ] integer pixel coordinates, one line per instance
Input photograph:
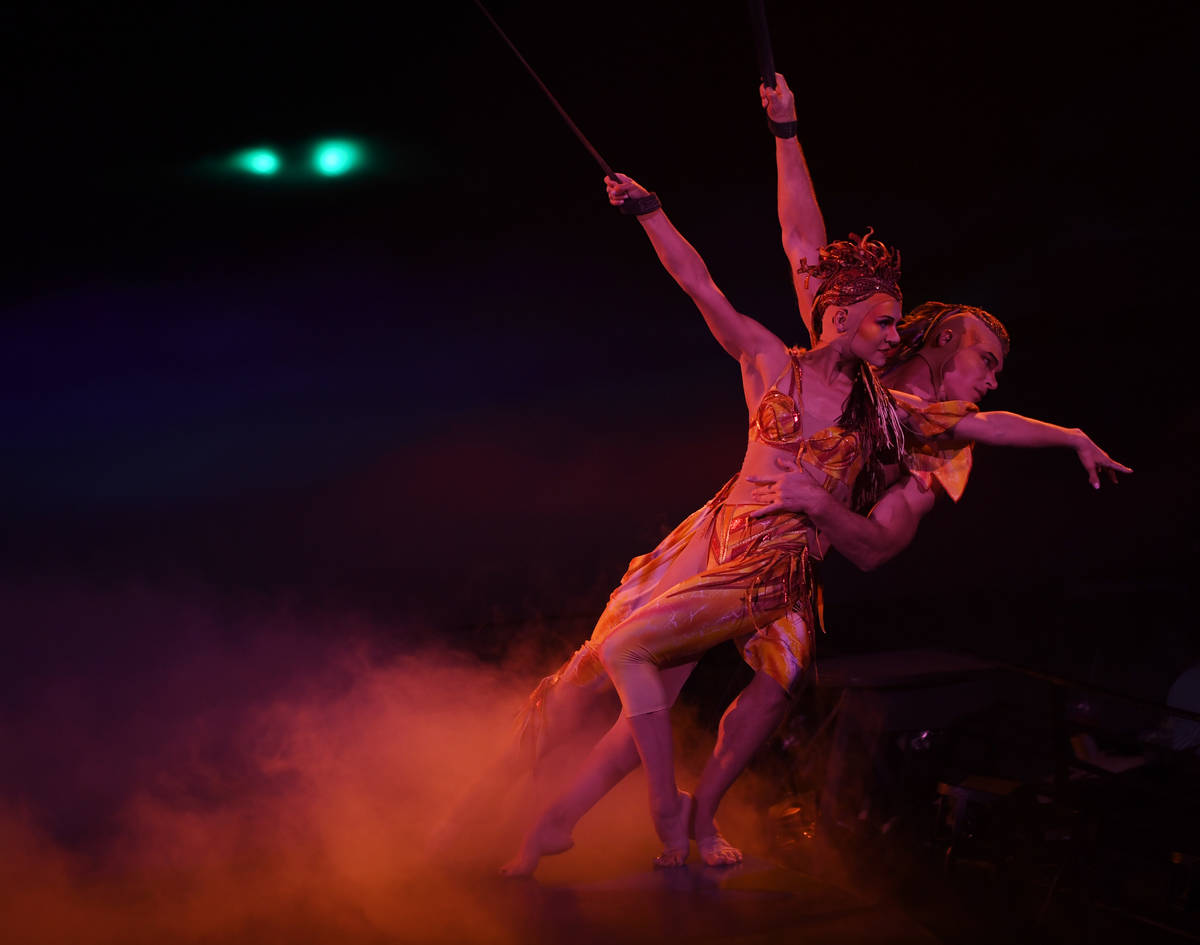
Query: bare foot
(715, 850)
(544, 838)
(673, 832)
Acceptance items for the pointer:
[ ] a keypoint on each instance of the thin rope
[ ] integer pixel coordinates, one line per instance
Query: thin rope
(608, 171)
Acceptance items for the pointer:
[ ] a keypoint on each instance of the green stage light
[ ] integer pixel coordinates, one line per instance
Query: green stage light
(261, 161)
(334, 158)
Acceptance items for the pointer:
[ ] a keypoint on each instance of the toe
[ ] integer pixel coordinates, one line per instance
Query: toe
(669, 859)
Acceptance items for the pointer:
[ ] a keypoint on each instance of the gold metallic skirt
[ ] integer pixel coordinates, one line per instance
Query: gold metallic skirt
(719, 548)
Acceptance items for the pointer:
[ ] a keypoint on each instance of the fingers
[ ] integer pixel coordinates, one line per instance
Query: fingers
(615, 181)
(1096, 461)
(621, 187)
(769, 509)
(786, 463)
(779, 88)
(761, 479)
(618, 186)
(1091, 453)
(1109, 467)
(778, 101)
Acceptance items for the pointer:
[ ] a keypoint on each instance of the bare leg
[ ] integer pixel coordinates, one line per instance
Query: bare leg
(669, 809)
(609, 762)
(567, 711)
(745, 726)
(614, 756)
(681, 625)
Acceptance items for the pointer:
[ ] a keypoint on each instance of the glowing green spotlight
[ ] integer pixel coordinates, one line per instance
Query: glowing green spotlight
(334, 158)
(262, 161)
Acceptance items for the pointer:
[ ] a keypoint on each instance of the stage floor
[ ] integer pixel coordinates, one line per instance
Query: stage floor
(755, 902)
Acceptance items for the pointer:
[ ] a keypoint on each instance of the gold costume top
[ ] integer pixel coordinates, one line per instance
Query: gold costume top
(778, 422)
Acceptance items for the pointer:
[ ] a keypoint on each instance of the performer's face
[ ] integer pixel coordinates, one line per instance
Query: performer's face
(873, 324)
(970, 372)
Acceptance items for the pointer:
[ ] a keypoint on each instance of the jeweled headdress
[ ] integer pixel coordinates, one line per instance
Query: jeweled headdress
(850, 271)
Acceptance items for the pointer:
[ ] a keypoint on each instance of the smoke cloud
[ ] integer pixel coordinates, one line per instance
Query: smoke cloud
(186, 768)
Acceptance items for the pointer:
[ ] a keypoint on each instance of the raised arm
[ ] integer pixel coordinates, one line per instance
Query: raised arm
(1001, 428)
(759, 351)
(800, 220)
(867, 541)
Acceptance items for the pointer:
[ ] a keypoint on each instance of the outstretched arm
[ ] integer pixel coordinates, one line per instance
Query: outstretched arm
(867, 541)
(1001, 428)
(800, 220)
(757, 349)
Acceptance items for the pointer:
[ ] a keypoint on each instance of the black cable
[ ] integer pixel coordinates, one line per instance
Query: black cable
(762, 42)
(608, 171)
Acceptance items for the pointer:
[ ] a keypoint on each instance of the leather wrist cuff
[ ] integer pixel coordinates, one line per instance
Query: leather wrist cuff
(636, 206)
(783, 129)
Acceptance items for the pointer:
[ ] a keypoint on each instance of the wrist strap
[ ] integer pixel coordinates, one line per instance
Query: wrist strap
(636, 206)
(783, 129)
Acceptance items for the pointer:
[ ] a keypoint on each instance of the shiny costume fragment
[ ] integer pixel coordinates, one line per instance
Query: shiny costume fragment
(933, 455)
(673, 595)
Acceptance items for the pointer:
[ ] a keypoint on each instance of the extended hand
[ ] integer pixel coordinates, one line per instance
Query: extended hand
(621, 187)
(794, 490)
(779, 102)
(1095, 459)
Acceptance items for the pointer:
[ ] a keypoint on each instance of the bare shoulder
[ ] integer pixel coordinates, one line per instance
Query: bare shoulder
(762, 368)
(769, 362)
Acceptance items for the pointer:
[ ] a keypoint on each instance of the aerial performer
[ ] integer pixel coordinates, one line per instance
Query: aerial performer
(642, 634)
(737, 570)
(724, 573)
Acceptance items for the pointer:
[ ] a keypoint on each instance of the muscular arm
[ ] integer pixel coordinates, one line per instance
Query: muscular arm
(867, 541)
(757, 349)
(871, 540)
(1001, 428)
(800, 221)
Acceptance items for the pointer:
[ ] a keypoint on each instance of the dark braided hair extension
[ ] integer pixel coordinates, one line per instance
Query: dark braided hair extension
(871, 413)
(853, 270)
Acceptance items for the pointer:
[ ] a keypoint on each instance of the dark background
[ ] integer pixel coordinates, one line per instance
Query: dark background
(457, 393)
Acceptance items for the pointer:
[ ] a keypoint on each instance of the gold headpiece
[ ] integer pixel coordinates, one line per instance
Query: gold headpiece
(853, 270)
